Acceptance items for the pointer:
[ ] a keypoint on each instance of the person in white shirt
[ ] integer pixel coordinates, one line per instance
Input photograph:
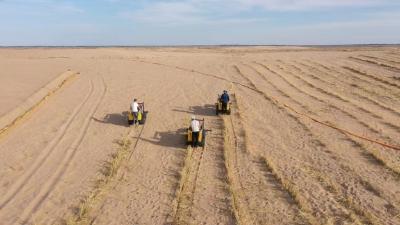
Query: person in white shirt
(195, 125)
(135, 110)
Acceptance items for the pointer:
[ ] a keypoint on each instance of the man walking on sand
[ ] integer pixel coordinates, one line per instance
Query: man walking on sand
(225, 100)
(195, 125)
(135, 110)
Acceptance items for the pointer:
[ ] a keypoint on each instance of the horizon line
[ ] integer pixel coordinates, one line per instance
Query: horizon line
(198, 45)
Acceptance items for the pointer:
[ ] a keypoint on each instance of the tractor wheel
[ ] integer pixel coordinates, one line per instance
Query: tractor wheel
(203, 141)
(143, 120)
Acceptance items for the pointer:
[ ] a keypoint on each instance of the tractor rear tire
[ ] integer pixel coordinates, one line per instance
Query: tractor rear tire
(203, 141)
(143, 120)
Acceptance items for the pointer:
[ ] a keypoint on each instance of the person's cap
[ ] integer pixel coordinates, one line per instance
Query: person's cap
(193, 117)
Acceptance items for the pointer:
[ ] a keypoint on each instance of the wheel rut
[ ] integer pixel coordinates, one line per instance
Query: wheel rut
(47, 187)
(29, 194)
(21, 181)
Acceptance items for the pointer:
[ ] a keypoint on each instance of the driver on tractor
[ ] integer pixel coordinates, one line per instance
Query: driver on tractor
(224, 100)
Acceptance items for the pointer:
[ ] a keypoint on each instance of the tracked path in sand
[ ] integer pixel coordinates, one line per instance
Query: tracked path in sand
(34, 184)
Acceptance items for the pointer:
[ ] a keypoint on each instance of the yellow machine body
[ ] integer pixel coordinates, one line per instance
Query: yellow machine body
(219, 109)
(141, 118)
(190, 136)
(131, 116)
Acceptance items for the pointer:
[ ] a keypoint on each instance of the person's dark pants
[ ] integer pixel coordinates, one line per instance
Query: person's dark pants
(135, 117)
(224, 106)
(195, 139)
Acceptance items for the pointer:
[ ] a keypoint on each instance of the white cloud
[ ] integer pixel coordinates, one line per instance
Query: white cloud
(304, 5)
(203, 11)
(42, 6)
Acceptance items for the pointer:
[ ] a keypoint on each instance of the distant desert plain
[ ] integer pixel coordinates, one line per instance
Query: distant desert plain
(313, 136)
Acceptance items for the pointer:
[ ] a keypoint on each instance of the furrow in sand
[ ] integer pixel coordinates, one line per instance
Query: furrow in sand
(371, 76)
(328, 93)
(345, 89)
(379, 155)
(392, 58)
(356, 81)
(390, 114)
(336, 97)
(258, 195)
(317, 99)
(376, 64)
(380, 59)
(47, 187)
(278, 91)
(17, 186)
(325, 162)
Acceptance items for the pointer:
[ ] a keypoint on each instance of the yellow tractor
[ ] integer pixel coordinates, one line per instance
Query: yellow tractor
(219, 107)
(201, 139)
(141, 117)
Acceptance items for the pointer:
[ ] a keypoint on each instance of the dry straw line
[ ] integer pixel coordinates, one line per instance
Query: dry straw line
(241, 213)
(109, 171)
(187, 187)
(182, 184)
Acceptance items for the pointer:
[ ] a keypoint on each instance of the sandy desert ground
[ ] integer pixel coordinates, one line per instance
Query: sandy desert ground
(293, 151)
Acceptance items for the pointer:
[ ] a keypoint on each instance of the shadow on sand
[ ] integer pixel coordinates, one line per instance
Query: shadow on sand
(206, 110)
(174, 139)
(118, 119)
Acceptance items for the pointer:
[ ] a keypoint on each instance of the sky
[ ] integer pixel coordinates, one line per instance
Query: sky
(198, 22)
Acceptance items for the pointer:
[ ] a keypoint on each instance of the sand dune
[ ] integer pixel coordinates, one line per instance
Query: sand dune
(277, 159)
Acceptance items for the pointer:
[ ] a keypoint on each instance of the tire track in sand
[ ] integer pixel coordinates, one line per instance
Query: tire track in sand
(63, 166)
(11, 119)
(21, 181)
(187, 186)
